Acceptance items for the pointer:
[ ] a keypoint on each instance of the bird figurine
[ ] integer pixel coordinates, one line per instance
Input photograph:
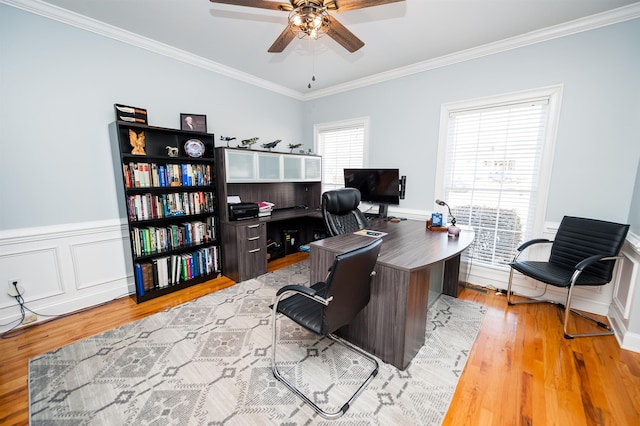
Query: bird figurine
(293, 146)
(271, 145)
(137, 142)
(227, 139)
(246, 143)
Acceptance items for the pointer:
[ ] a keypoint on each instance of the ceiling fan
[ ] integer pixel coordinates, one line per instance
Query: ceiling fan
(310, 18)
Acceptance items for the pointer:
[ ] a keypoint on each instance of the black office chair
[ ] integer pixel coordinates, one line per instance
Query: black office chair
(340, 211)
(326, 306)
(583, 254)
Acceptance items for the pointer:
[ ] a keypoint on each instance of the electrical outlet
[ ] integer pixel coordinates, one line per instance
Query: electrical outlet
(12, 288)
(28, 319)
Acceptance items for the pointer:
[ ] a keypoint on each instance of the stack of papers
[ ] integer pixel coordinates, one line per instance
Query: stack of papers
(265, 208)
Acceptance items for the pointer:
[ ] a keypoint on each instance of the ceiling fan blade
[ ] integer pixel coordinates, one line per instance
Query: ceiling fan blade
(343, 36)
(262, 4)
(347, 5)
(282, 41)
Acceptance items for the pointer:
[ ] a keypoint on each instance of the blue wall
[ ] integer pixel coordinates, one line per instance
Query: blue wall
(597, 149)
(59, 83)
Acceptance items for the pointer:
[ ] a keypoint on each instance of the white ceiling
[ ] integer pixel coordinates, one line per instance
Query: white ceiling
(398, 36)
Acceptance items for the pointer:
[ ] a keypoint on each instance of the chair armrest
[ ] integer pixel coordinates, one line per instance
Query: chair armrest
(307, 291)
(532, 242)
(304, 291)
(527, 244)
(593, 259)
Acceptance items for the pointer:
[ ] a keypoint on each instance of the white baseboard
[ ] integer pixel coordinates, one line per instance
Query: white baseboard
(64, 268)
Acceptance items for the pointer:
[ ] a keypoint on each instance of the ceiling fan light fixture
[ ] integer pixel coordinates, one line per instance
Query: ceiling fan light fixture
(309, 20)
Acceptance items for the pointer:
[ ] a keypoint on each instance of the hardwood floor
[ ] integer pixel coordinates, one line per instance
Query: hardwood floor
(520, 370)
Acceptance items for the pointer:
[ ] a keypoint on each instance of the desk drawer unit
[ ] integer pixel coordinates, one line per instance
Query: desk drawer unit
(245, 250)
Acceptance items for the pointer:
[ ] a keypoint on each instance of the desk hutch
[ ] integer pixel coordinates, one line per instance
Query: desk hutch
(293, 182)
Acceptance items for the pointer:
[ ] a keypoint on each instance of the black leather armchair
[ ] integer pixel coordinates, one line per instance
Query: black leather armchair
(326, 306)
(583, 254)
(340, 211)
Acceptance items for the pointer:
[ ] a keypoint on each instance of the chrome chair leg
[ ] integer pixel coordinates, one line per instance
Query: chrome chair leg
(520, 302)
(567, 310)
(307, 400)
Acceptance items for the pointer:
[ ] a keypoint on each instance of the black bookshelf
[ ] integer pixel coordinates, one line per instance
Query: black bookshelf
(169, 199)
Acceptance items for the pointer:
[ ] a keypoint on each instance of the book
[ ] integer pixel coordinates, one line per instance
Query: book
(139, 279)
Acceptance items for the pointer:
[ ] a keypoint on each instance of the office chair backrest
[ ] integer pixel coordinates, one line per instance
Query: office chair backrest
(579, 238)
(349, 283)
(340, 211)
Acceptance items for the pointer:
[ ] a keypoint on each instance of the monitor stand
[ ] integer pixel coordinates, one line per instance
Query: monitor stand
(383, 210)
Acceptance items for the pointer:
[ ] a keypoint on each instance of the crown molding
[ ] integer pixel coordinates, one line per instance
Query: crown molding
(92, 25)
(622, 14)
(615, 16)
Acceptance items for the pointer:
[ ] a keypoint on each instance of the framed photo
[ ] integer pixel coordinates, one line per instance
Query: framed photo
(195, 122)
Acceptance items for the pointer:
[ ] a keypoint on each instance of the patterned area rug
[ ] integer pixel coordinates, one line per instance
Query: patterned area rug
(207, 362)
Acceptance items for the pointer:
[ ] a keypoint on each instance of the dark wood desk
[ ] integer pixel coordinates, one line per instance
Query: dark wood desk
(393, 324)
(244, 242)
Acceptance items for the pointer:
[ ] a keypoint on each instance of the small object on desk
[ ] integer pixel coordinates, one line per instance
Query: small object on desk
(241, 211)
(430, 226)
(370, 233)
(454, 231)
(439, 229)
(394, 220)
(265, 208)
(436, 219)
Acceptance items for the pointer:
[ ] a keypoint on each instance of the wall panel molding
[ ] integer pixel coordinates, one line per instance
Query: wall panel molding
(64, 268)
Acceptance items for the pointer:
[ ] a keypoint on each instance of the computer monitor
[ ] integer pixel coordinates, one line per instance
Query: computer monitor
(378, 186)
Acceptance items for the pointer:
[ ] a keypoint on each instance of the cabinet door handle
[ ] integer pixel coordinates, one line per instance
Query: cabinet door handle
(254, 250)
(252, 226)
(253, 238)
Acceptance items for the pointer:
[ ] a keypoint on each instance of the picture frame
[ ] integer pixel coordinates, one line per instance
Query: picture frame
(193, 122)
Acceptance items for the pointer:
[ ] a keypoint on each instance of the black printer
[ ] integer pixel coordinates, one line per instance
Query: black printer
(239, 211)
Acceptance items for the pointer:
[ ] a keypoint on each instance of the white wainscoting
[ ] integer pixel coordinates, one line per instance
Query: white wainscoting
(64, 268)
(69, 267)
(618, 300)
(624, 312)
(590, 299)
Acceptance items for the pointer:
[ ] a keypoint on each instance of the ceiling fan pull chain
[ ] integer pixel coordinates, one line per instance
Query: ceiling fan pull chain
(313, 62)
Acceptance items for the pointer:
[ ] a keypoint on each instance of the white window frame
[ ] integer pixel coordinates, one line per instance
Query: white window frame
(336, 125)
(489, 274)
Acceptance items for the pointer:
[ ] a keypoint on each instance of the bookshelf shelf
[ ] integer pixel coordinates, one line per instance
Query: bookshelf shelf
(171, 206)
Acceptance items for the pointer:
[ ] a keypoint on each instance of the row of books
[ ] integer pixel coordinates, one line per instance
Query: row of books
(149, 206)
(152, 240)
(167, 271)
(145, 175)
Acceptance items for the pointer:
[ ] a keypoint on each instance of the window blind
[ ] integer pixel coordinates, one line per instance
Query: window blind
(492, 168)
(340, 148)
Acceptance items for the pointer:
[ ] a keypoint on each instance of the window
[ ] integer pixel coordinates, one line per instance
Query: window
(341, 145)
(494, 166)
